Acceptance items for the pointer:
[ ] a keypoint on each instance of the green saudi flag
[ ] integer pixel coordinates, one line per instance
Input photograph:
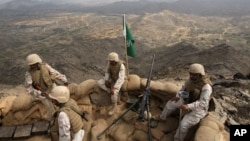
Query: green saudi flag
(130, 42)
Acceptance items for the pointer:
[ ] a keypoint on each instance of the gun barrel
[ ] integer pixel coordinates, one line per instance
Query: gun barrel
(146, 92)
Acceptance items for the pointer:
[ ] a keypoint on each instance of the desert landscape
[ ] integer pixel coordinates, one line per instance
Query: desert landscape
(76, 40)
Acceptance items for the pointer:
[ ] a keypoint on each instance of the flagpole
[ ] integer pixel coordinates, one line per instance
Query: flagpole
(125, 43)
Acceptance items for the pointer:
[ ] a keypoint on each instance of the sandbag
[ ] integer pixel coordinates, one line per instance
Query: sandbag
(9, 119)
(210, 129)
(22, 102)
(122, 131)
(212, 122)
(6, 105)
(205, 133)
(98, 126)
(132, 83)
(162, 90)
(140, 135)
(170, 124)
(87, 128)
(157, 134)
(130, 117)
(86, 87)
(73, 88)
(37, 111)
(164, 87)
(141, 126)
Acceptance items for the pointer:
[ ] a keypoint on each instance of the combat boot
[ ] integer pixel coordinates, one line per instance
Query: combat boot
(113, 110)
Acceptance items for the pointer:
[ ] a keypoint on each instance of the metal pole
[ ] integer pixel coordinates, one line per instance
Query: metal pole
(125, 43)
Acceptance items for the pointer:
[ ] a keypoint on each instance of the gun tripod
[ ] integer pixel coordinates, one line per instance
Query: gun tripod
(145, 102)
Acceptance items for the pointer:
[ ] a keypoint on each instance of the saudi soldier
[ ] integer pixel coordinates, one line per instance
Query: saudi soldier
(68, 125)
(40, 79)
(199, 88)
(113, 79)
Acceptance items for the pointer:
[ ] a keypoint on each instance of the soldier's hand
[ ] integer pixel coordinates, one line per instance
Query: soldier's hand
(174, 99)
(66, 83)
(184, 107)
(107, 84)
(112, 91)
(43, 94)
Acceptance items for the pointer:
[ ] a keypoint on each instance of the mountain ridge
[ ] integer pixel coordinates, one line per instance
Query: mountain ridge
(197, 7)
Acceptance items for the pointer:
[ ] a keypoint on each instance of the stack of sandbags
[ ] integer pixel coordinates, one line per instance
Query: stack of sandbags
(37, 111)
(25, 108)
(211, 129)
(22, 102)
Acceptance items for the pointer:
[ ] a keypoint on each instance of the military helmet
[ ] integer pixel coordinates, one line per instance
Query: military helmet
(197, 68)
(60, 93)
(33, 59)
(113, 56)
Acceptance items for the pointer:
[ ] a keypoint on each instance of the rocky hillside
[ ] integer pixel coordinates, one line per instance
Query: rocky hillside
(77, 43)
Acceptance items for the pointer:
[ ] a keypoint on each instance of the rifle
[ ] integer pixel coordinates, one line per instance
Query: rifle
(145, 100)
(83, 114)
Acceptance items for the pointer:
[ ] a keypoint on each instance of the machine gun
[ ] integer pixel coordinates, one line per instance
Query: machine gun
(145, 101)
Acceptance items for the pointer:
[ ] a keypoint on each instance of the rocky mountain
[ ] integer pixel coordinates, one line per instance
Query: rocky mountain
(77, 42)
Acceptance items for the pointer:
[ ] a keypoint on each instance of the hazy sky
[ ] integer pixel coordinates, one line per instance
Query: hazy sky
(84, 1)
